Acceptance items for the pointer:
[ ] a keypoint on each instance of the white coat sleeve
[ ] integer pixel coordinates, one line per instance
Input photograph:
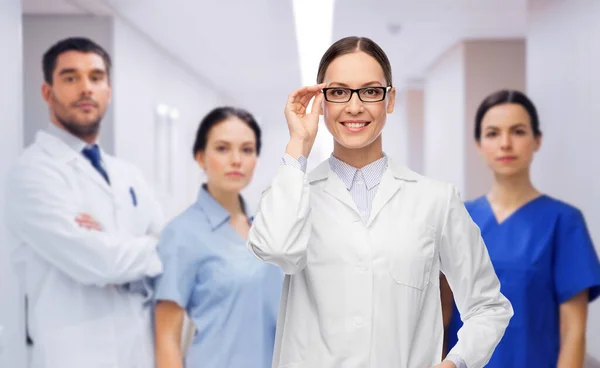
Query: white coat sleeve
(41, 213)
(466, 264)
(281, 228)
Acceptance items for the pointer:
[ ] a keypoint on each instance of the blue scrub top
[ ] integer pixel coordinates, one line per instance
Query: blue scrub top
(231, 296)
(543, 256)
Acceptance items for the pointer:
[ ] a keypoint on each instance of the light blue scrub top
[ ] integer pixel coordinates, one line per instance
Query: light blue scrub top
(543, 256)
(232, 297)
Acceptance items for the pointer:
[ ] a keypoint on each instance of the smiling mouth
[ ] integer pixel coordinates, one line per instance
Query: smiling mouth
(356, 125)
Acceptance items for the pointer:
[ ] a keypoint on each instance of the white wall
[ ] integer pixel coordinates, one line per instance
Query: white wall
(443, 157)
(395, 134)
(145, 76)
(455, 86)
(414, 110)
(12, 337)
(562, 79)
(490, 65)
(40, 32)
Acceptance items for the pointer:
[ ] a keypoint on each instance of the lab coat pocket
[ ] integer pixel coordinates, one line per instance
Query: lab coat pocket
(412, 258)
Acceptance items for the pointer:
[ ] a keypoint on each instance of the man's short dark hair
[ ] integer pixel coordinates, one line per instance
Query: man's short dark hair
(80, 44)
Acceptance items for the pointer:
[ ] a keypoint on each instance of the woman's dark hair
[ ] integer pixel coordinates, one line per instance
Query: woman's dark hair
(349, 45)
(219, 115)
(506, 97)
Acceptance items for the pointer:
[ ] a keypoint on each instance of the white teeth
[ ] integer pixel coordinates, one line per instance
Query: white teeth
(355, 125)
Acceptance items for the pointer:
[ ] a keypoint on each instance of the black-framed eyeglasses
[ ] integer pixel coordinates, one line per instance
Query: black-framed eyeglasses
(365, 94)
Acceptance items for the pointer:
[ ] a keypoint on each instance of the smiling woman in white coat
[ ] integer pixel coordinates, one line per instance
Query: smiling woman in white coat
(363, 239)
(86, 226)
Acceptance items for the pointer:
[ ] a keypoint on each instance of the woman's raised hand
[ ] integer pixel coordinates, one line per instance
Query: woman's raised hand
(302, 124)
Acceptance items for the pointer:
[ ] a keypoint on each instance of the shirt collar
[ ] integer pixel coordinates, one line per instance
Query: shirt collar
(69, 139)
(372, 173)
(217, 215)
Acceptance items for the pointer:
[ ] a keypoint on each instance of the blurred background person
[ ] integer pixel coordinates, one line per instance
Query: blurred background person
(86, 223)
(540, 246)
(231, 297)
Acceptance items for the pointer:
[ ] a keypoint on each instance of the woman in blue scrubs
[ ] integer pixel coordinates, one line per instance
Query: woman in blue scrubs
(539, 246)
(231, 297)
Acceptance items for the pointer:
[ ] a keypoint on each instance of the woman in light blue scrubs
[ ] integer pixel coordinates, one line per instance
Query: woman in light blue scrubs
(540, 247)
(231, 297)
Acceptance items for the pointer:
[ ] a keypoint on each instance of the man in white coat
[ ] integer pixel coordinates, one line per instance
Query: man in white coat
(87, 226)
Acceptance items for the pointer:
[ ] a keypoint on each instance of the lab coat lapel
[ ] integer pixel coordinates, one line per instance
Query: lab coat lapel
(333, 186)
(394, 178)
(88, 170)
(336, 187)
(61, 151)
(388, 187)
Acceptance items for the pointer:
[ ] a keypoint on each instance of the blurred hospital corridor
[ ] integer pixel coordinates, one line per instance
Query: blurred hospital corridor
(175, 61)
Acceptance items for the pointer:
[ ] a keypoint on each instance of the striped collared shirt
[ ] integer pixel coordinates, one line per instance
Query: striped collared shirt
(361, 183)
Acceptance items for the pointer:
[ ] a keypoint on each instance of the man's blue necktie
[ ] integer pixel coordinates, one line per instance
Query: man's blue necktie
(92, 153)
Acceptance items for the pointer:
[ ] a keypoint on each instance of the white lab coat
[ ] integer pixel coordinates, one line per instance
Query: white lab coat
(80, 315)
(366, 293)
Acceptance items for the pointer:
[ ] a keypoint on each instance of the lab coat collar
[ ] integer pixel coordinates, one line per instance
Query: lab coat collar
(60, 150)
(76, 143)
(394, 178)
(397, 170)
(56, 146)
(217, 215)
(371, 173)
